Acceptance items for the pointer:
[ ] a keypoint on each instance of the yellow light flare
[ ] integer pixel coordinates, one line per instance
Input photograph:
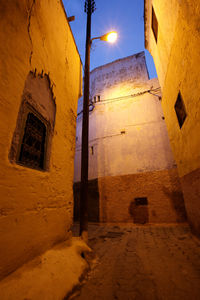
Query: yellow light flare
(110, 37)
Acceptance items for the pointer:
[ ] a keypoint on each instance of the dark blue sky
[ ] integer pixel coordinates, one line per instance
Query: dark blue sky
(123, 16)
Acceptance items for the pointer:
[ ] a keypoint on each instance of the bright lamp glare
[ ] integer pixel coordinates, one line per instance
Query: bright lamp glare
(111, 37)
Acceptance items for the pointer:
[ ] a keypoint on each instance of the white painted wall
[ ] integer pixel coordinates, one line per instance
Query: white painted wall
(125, 105)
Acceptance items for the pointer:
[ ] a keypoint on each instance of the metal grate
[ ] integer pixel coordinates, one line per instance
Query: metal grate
(32, 147)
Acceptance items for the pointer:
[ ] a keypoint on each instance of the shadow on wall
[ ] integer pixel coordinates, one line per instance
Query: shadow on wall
(138, 208)
(93, 201)
(177, 202)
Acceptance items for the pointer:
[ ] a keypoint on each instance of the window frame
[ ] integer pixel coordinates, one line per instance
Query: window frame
(29, 109)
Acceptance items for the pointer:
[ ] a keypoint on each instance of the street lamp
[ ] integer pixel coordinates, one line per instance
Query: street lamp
(110, 37)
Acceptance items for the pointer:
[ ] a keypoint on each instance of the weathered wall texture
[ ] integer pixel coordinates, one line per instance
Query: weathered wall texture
(119, 78)
(37, 47)
(182, 75)
(161, 188)
(127, 135)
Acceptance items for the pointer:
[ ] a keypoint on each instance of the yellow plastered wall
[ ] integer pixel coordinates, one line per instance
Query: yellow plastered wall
(166, 13)
(181, 74)
(176, 56)
(36, 206)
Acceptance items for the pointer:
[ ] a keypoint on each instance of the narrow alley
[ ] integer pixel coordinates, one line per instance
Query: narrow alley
(99, 150)
(142, 262)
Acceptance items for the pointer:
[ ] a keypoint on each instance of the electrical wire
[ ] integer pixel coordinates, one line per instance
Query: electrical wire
(122, 98)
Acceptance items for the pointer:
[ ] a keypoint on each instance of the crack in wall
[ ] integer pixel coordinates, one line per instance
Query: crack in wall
(29, 11)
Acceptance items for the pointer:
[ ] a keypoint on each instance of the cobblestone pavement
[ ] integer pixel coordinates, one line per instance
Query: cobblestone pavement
(142, 263)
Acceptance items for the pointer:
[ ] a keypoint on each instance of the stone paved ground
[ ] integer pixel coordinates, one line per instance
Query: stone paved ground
(142, 263)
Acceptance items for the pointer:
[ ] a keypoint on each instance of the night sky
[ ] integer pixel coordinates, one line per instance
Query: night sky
(123, 16)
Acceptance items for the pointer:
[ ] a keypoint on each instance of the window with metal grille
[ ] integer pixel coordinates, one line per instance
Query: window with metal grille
(33, 143)
(154, 24)
(180, 110)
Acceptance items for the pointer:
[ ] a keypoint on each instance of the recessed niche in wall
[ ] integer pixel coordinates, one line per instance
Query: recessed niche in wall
(32, 138)
(141, 201)
(154, 24)
(96, 98)
(138, 210)
(180, 110)
(92, 150)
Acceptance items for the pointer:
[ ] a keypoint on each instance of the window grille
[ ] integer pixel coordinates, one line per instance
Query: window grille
(33, 143)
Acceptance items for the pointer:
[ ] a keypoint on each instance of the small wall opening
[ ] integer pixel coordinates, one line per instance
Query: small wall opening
(92, 150)
(141, 201)
(180, 110)
(138, 210)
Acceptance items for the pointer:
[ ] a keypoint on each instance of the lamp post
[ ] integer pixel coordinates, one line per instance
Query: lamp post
(110, 37)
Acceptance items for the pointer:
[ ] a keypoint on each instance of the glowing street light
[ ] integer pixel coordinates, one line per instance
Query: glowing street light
(109, 37)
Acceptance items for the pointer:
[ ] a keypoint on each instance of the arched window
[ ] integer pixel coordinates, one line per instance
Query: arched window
(31, 144)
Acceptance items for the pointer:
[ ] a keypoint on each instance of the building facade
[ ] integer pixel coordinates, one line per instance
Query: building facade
(132, 173)
(172, 37)
(40, 73)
